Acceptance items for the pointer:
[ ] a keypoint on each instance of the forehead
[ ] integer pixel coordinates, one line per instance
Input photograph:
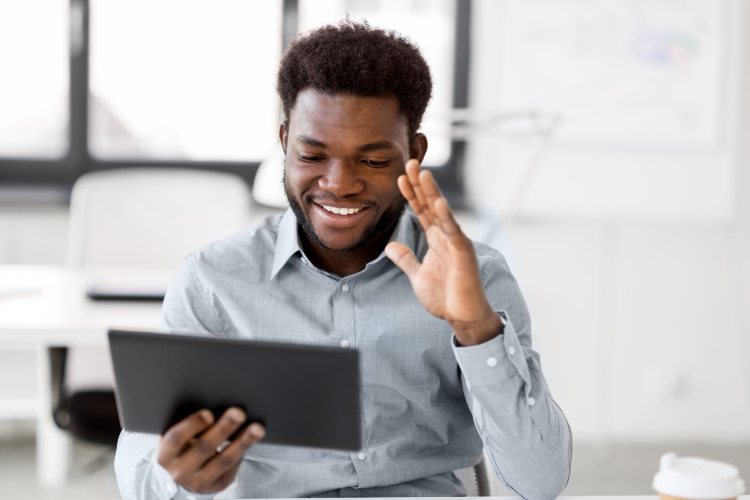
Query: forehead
(346, 116)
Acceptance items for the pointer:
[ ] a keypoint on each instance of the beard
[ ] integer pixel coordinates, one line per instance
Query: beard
(386, 223)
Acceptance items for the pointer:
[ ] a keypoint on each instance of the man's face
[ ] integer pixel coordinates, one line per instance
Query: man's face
(343, 156)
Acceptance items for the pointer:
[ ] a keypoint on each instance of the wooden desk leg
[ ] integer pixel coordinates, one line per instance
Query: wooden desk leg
(53, 445)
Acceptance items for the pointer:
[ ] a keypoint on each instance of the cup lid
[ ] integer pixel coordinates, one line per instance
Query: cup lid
(697, 478)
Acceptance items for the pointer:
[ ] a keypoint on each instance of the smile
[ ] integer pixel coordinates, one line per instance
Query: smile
(340, 210)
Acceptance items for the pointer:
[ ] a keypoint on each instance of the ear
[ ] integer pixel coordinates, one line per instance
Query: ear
(283, 136)
(419, 147)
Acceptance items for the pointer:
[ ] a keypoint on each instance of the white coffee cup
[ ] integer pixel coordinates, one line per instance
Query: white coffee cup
(693, 478)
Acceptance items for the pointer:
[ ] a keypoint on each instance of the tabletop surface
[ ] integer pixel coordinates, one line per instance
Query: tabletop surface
(48, 304)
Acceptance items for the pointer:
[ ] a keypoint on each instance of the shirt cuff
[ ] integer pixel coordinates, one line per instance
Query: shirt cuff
(493, 361)
(183, 494)
(170, 488)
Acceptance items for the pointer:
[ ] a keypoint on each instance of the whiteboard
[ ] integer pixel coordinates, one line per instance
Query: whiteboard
(636, 73)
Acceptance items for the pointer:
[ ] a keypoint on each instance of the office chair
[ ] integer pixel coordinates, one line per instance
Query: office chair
(475, 479)
(133, 218)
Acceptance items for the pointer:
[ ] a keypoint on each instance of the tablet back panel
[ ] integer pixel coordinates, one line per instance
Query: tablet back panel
(304, 395)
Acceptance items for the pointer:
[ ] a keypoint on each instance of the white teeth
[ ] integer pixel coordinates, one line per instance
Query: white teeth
(341, 211)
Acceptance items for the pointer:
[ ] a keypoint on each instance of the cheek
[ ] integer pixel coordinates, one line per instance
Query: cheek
(298, 179)
(388, 191)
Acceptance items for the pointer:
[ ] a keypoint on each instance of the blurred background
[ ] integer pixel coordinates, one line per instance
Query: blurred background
(602, 145)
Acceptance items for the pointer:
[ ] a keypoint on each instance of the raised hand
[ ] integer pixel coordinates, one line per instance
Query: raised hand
(193, 449)
(447, 282)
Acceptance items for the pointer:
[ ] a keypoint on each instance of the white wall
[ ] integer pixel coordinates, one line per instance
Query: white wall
(629, 262)
(600, 182)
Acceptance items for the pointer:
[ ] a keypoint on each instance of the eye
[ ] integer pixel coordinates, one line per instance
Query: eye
(310, 158)
(376, 163)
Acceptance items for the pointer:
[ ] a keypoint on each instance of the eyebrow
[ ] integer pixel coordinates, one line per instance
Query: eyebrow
(377, 145)
(311, 142)
(367, 147)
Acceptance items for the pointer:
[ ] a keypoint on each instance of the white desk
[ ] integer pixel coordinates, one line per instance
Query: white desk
(46, 306)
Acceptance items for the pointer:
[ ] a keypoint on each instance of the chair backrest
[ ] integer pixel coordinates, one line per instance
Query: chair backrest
(151, 217)
(475, 479)
(144, 218)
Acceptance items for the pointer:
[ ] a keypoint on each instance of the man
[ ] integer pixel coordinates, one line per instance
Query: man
(441, 327)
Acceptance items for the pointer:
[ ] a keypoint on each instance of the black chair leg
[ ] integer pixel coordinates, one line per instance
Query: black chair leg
(90, 415)
(58, 358)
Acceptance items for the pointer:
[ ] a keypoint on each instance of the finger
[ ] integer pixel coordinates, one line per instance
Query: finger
(442, 214)
(408, 191)
(224, 481)
(403, 257)
(430, 188)
(220, 470)
(205, 446)
(179, 435)
(412, 173)
(445, 217)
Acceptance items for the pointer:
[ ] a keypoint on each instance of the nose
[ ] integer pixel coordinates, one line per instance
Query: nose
(341, 179)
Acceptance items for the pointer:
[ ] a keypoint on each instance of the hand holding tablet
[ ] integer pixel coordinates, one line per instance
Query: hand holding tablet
(194, 454)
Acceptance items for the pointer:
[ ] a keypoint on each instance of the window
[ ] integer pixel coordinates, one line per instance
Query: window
(34, 62)
(186, 81)
(100, 84)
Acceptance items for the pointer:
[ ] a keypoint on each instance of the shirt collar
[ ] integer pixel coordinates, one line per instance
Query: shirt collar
(288, 243)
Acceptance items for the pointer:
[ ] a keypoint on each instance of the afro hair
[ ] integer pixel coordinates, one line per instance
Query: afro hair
(356, 59)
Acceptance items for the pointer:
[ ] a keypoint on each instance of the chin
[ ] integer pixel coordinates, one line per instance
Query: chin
(333, 240)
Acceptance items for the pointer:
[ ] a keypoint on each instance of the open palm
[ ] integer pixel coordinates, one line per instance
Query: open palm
(447, 281)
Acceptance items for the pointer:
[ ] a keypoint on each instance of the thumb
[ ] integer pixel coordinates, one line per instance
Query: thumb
(403, 257)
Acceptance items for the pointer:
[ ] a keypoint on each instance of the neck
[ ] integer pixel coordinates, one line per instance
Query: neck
(343, 263)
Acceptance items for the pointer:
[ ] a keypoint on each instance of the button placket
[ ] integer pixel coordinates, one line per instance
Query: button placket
(343, 315)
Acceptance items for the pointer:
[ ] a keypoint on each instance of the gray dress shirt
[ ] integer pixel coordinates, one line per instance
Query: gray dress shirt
(429, 407)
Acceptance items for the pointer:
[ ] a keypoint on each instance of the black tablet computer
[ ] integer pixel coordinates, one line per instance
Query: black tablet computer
(304, 395)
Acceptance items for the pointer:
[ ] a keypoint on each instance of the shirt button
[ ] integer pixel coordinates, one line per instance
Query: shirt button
(491, 361)
(344, 343)
(511, 350)
(191, 497)
(531, 401)
(361, 456)
(344, 288)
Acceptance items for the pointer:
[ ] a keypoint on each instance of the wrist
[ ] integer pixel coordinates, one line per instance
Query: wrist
(477, 332)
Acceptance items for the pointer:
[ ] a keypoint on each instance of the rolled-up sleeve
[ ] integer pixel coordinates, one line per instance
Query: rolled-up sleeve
(525, 433)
